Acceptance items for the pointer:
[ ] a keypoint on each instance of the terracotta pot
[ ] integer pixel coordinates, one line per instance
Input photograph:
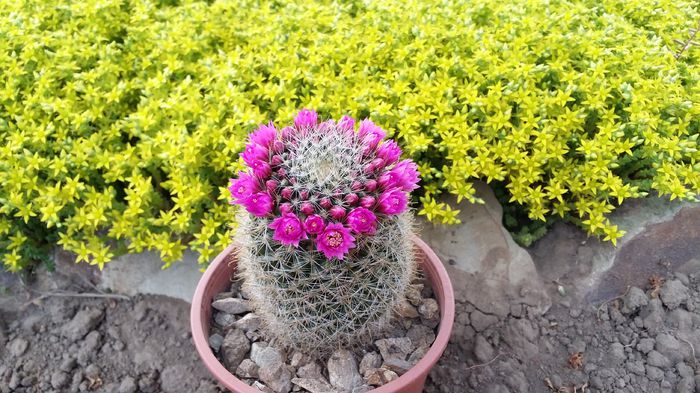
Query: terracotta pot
(217, 278)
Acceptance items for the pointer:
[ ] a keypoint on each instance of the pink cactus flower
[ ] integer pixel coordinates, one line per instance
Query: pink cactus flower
(264, 135)
(393, 201)
(243, 187)
(258, 204)
(389, 151)
(335, 241)
(347, 123)
(362, 220)
(370, 134)
(314, 224)
(306, 118)
(410, 175)
(261, 169)
(288, 229)
(253, 152)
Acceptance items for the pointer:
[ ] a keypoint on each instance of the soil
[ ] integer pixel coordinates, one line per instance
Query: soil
(643, 340)
(58, 343)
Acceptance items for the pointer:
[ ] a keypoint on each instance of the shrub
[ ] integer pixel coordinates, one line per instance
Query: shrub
(120, 120)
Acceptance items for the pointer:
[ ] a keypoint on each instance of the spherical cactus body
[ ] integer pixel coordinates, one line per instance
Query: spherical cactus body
(324, 239)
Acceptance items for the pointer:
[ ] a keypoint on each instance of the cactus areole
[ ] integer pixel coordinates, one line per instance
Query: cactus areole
(324, 235)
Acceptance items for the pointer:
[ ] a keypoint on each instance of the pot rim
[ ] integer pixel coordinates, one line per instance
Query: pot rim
(432, 266)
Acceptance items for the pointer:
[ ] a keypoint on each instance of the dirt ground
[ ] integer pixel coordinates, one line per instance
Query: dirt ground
(644, 340)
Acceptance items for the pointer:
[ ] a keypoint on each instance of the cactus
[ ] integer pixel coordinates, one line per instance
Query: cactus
(324, 242)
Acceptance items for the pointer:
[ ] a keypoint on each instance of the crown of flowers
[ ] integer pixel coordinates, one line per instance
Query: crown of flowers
(323, 183)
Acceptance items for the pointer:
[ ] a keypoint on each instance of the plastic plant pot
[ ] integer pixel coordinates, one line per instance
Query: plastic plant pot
(217, 278)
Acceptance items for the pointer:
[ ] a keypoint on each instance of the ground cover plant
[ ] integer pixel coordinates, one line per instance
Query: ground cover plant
(120, 120)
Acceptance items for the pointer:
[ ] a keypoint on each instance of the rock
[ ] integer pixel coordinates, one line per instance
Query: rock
(224, 320)
(248, 322)
(489, 269)
(616, 354)
(207, 387)
(232, 305)
(247, 369)
(234, 348)
(311, 370)
(482, 349)
(272, 370)
(395, 347)
(342, 370)
(481, 321)
(656, 359)
(413, 294)
(380, 376)
(407, 310)
(82, 323)
(298, 358)
(654, 373)
(362, 389)
(17, 347)
(370, 361)
(673, 293)
(645, 345)
(418, 354)
(215, 341)
(68, 364)
(399, 366)
(128, 385)
(634, 299)
(261, 387)
(669, 346)
(59, 379)
(314, 385)
(429, 309)
(653, 316)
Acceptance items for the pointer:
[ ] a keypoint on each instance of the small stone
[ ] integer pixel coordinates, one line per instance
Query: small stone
(634, 299)
(314, 385)
(223, 295)
(128, 385)
(669, 346)
(380, 376)
(654, 373)
(232, 305)
(59, 379)
(362, 389)
(645, 345)
(482, 349)
(413, 294)
(298, 358)
(421, 336)
(399, 366)
(68, 364)
(17, 347)
(82, 323)
(429, 309)
(342, 370)
(272, 370)
(248, 322)
(370, 361)
(247, 369)
(224, 320)
(234, 348)
(311, 370)
(418, 354)
(92, 371)
(261, 387)
(399, 347)
(481, 321)
(406, 310)
(673, 294)
(215, 341)
(656, 359)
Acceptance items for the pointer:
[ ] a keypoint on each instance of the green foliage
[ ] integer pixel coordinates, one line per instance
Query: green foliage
(120, 121)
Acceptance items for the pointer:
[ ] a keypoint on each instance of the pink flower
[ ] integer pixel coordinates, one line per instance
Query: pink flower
(346, 123)
(261, 169)
(243, 187)
(264, 135)
(361, 220)
(314, 224)
(278, 147)
(370, 134)
(410, 174)
(258, 204)
(288, 133)
(254, 152)
(389, 151)
(288, 229)
(335, 241)
(306, 118)
(391, 179)
(393, 201)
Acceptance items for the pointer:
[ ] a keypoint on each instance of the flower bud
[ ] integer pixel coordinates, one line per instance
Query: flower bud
(351, 199)
(271, 186)
(367, 202)
(337, 212)
(304, 194)
(307, 208)
(370, 185)
(286, 193)
(276, 160)
(326, 203)
(278, 147)
(356, 186)
(286, 208)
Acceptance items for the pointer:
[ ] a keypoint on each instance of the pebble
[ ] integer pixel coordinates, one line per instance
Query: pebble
(380, 376)
(342, 370)
(673, 293)
(371, 360)
(635, 299)
(59, 379)
(247, 369)
(82, 323)
(215, 341)
(429, 309)
(248, 322)
(234, 348)
(398, 347)
(314, 385)
(17, 347)
(232, 305)
(128, 385)
(272, 370)
(224, 320)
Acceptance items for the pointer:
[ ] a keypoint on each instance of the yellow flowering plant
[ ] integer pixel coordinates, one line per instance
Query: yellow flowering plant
(120, 122)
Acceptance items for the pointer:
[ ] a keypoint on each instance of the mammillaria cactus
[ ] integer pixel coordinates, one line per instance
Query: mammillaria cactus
(324, 242)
